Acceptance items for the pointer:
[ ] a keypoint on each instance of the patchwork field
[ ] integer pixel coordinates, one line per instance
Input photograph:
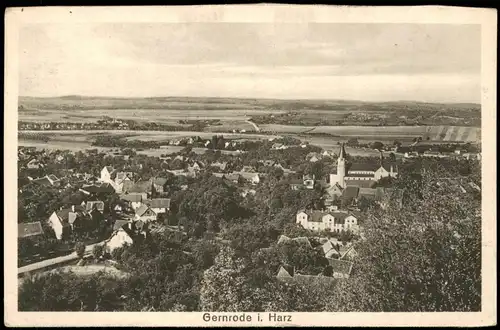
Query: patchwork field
(371, 133)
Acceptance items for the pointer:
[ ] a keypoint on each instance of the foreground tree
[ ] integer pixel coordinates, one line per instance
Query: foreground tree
(422, 253)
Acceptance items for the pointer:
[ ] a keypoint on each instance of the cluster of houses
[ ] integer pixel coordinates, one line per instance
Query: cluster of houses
(340, 256)
(101, 124)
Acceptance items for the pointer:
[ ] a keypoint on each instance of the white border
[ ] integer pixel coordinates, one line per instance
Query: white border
(16, 17)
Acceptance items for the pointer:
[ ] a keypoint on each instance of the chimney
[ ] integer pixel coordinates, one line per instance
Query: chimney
(130, 225)
(392, 171)
(72, 208)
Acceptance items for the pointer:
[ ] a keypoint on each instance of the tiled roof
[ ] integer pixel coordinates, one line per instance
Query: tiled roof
(350, 192)
(53, 177)
(42, 181)
(360, 183)
(141, 187)
(132, 197)
(29, 229)
(63, 214)
(160, 181)
(341, 266)
(364, 167)
(160, 203)
(141, 210)
(119, 224)
(110, 169)
(316, 216)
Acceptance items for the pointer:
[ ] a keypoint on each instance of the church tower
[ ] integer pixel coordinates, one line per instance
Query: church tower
(341, 167)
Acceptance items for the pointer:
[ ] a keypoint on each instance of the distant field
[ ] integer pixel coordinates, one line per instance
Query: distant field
(435, 133)
(285, 128)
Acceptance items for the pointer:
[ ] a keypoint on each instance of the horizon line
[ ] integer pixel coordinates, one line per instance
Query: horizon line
(243, 98)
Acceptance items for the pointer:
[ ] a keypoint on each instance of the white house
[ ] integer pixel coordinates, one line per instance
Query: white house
(145, 214)
(118, 239)
(106, 173)
(135, 199)
(333, 221)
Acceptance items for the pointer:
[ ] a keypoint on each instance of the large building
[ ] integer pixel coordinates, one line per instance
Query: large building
(358, 174)
(336, 221)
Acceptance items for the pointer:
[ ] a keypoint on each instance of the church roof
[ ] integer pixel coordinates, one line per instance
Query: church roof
(342, 154)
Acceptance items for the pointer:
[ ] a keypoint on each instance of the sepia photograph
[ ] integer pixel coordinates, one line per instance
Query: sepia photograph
(249, 170)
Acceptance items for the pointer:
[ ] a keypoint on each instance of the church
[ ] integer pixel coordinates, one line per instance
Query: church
(361, 175)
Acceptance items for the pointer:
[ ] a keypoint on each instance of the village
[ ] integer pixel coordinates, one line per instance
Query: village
(118, 206)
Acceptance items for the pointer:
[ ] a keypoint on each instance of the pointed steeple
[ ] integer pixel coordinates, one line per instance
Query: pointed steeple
(342, 152)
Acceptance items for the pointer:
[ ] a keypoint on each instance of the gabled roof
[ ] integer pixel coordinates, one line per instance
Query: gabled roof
(232, 176)
(360, 183)
(249, 175)
(142, 209)
(364, 167)
(316, 216)
(285, 271)
(110, 169)
(53, 177)
(29, 229)
(160, 181)
(42, 181)
(132, 197)
(250, 169)
(160, 203)
(340, 216)
(341, 266)
(119, 224)
(350, 192)
(123, 175)
(284, 239)
(63, 214)
(143, 186)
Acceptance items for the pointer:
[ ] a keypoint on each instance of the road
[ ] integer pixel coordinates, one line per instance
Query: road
(54, 261)
(257, 129)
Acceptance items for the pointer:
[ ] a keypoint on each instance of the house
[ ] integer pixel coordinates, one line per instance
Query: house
(142, 187)
(333, 221)
(159, 184)
(288, 274)
(233, 177)
(59, 222)
(247, 192)
(145, 214)
(121, 237)
(350, 194)
(347, 252)
(296, 184)
(106, 173)
(34, 164)
(279, 146)
(66, 220)
(159, 205)
(340, 268)
(313, 157)
(134, 199)
(249, 169)
(94, 205)
(309, 181)
(221, 165)
(330, 250)
(98, 190)
(29, 229)
(253, 178)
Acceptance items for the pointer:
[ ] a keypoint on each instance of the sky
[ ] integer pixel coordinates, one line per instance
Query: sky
(367, 62)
